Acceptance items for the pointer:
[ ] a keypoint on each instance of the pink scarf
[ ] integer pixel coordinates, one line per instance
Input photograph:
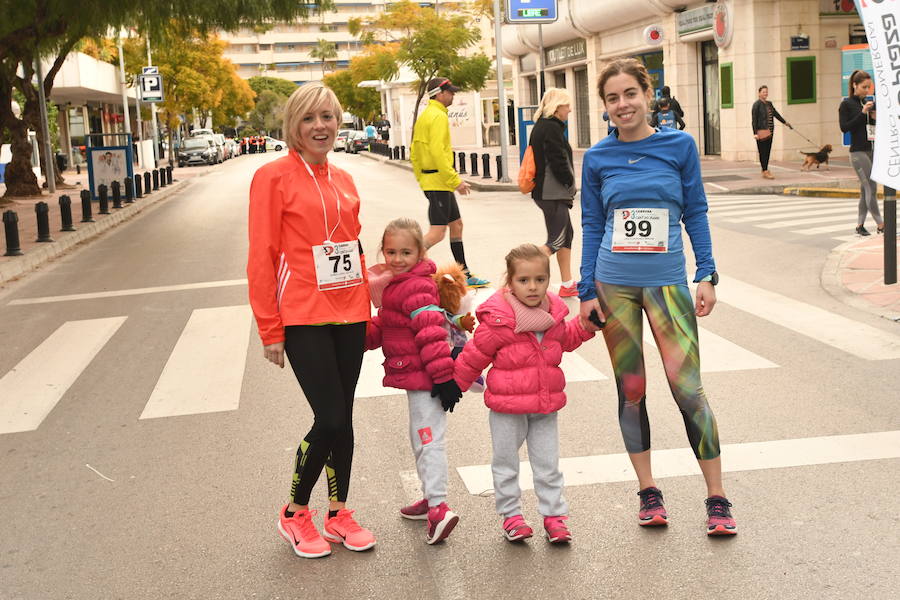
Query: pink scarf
(528, 318)
(379, 277)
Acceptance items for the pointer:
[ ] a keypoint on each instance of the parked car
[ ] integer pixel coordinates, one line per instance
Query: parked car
(220, 150)
(357, 141)
(276, 145)
(340, 139)
(232, 146)
(204, 131)
(197, 151)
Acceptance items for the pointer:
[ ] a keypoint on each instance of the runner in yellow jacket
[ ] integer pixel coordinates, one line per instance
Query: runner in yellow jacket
(432, 160)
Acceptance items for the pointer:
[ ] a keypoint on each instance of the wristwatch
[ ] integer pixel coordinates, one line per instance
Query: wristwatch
(713, 278)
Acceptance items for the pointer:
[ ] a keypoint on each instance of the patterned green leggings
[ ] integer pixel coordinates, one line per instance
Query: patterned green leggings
(670, 312)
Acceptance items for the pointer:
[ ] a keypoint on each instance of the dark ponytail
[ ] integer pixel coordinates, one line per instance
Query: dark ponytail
(857, 77)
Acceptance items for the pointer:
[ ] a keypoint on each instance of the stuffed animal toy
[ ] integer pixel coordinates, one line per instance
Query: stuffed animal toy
(457, 305)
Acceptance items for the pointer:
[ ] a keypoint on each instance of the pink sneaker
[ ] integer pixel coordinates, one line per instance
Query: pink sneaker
(515, 528)
(568, 291)
(556, 530)
(719, 521)
(418, 511)
(441, 521)
(300, 532)
(652, 512)
(342, 528)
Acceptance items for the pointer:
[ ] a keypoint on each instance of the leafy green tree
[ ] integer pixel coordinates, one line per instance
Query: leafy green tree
(268, 113)
(275, 84)
(324, 51)
(365, 103)
(50, 29)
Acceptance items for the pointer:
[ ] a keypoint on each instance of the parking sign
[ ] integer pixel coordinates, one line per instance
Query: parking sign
(151, 87)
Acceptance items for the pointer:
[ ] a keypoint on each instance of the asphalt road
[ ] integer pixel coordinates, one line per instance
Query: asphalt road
(98, 502)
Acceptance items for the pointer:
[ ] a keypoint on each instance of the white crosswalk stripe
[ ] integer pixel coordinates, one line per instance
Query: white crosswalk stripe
(801, 216)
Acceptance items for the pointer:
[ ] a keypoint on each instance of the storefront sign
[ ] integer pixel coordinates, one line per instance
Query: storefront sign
(799, 42)
(653, 35)
(566, 52)
(531, 11)
(723, 23)
(696, 19)
(836, 7)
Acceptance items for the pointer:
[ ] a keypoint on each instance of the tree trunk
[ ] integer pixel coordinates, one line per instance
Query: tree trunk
(20, 179)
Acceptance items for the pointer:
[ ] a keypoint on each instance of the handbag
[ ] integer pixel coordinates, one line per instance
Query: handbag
(553, 189)
(763, 134)
(526, 172)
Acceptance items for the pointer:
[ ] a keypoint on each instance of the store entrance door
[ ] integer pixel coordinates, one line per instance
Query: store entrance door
(711, 127)
(582, 110)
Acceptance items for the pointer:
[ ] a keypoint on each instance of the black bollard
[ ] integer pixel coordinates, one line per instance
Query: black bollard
(454, 160)
(402, 152)
(486, 165)
(103, 194)
(138, 186)
(42, 211)
(147, 182)
(473, 157)
(162, 178)
(169, 170)
(11, 229)
(155, 179)
(462, 163)
(116, 188)
(129, 190)
(499, 167)
(86, 211)
(78, 169)
(65, 213)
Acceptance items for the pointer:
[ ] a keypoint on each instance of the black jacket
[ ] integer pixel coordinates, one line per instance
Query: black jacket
(551, 148)
(760, 118)
(853, 121)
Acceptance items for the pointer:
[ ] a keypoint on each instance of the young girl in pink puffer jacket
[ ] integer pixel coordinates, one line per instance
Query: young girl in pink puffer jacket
(523, 332)
(410, 329)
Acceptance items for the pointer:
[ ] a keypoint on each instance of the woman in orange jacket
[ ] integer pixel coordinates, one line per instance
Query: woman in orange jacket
(309, 294)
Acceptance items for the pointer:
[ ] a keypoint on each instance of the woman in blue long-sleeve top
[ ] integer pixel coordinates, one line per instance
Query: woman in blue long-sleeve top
(638, 187)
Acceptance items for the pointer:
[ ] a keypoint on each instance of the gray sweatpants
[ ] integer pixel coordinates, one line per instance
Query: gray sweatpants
(507, 434)
(427, 429)
(861, 161)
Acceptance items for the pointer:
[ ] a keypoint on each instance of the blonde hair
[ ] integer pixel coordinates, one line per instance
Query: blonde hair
(523, 253)
(305, 99)
(408, 225)
(552, 100)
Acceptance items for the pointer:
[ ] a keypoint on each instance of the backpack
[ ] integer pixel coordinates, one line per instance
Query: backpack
(527, 172)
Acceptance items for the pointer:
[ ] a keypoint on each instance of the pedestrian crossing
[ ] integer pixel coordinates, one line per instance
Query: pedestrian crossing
(830, 217)
(204, 372)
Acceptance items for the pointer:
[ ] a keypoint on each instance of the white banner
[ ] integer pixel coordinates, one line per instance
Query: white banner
(881, 19)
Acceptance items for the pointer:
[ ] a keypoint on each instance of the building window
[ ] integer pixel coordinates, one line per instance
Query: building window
(265, 46)
(726, 84)
(801, 79)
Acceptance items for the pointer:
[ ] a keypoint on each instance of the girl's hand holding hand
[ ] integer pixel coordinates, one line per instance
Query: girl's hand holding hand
(706, 298)
(584, 314)
(274, 353)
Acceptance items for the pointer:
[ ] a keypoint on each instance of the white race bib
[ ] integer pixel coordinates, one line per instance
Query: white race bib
(641, 230)
(870, 132)
(337, 265)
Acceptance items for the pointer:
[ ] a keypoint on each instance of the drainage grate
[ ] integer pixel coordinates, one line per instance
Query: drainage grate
(715, 178)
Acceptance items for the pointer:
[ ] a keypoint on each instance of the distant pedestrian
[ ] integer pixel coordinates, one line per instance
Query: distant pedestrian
(857, 117)
(666, 94)
(370, 132)
(554, 181)
(522, 331)
(763, 115)
(384, 128)
(432, 161)
(665, 116)
(308, 292)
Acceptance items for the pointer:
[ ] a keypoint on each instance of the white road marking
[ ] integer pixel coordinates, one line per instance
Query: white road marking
(783, 213)
(709, 183)
(205, 371)
(848, 226)
(843, 217)
(678, 462)
(34, 386)
(842, 333)
(132, 292)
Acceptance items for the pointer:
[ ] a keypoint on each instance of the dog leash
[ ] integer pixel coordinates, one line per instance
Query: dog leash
(803, 136)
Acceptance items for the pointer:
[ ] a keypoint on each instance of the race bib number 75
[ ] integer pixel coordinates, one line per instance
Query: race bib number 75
(337, 265)
(640, 230)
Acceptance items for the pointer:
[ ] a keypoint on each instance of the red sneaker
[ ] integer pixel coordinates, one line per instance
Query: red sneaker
(300, 532)
(556, 530)
(418, 511)
(441, 521)
(568, 291)
(719, 521)
(652, 512)
(515, 528)
(343, 528)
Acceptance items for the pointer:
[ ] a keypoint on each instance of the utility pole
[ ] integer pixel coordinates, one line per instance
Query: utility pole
(122, 82)
(541, 58)
(49, 171)
(154, 129)
(501, 97)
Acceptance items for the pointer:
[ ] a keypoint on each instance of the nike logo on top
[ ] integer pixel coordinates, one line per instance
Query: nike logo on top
(631, 162)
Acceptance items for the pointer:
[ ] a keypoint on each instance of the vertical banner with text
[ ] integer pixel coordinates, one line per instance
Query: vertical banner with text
(881, 19)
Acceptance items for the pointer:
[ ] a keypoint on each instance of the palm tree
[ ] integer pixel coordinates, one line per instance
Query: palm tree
(323, 51)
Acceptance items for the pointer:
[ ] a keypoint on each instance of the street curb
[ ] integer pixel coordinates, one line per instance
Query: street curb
(821, 192)
(477, 185)
(38, 256)
(831, 283)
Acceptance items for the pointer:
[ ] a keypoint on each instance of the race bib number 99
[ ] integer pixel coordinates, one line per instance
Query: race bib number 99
(641, 230)
(337, 265)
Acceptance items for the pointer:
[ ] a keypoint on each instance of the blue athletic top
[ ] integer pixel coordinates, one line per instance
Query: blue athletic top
(659, 171)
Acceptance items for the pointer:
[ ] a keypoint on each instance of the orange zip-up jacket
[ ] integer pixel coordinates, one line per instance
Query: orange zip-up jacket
(286, 221)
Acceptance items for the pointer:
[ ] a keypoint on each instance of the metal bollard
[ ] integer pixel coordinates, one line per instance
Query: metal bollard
(402, 152)
(499, 167)
(462, 163)
(86, 216)
(473, 157)
(162, 178)
(42, 211)
(103, 194)
(147, 182)
(169, 170)
(454, 160)
(155, 179)
(138, 191)
(116, 194)
(11, 229)
(129, 190)
(486, 166)
(78, 169)
(65, 213)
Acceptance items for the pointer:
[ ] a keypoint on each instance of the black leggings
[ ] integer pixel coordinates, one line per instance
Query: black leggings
(764, 147)
(326, 360)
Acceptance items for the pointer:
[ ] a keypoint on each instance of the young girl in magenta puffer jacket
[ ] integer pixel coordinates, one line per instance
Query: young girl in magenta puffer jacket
(523, 332)
(410, 329)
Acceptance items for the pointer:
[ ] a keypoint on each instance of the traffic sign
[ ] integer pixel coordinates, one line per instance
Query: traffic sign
(519, 12)
(151, 88)
(150, 70)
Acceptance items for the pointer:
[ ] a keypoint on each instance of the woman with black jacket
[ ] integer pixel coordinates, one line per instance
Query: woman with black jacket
(762, 117)
(554, 180)
(855, 115)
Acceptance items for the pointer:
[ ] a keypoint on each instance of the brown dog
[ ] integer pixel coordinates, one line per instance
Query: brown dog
(816, 158)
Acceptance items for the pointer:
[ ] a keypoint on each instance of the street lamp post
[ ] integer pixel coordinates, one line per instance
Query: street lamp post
(501, 98)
